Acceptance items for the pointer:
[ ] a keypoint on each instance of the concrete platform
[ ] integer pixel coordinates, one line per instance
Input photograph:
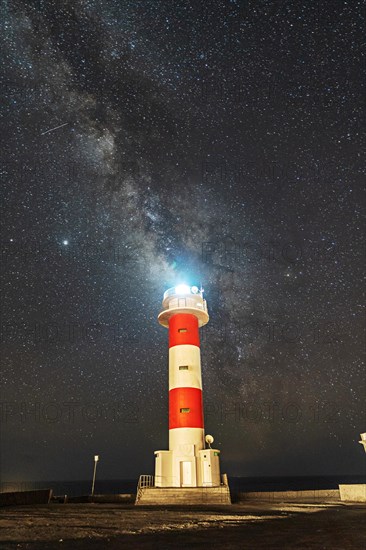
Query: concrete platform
(178, 496)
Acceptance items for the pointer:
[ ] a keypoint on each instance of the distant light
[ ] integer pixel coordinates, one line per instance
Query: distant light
(96, 458)
(182, 289)
(194, 289)
(65, 242)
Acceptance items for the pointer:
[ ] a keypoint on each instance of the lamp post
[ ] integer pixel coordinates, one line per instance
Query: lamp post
(96, 459)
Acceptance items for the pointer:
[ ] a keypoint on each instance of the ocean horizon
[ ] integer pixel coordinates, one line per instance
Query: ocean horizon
(237, 484)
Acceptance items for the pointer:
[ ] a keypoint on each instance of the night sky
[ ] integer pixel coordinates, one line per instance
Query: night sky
(149, 143)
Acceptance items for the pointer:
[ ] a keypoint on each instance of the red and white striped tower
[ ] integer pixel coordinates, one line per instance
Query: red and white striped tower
(187, 463)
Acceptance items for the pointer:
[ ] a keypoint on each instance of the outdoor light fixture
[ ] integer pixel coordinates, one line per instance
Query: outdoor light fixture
(182, 289)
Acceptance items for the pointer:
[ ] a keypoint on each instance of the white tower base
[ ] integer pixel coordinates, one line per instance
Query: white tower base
(185, 469)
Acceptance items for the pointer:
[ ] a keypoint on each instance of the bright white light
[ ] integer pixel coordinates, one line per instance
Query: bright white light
(65, 242)
(194, 289)
(182, 289)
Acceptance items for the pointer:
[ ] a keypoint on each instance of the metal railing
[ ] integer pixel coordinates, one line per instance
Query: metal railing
(144, 481)
(193, 301)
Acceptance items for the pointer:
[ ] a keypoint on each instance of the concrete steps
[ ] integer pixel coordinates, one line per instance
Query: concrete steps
(180, 496)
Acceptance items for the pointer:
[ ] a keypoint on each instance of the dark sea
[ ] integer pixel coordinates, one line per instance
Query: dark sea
(237, 484)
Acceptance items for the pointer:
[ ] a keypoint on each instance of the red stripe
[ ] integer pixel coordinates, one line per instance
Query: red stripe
(185, 398)
(183, 329)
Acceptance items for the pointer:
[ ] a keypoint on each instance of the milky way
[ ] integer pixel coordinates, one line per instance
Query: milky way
(149, 143)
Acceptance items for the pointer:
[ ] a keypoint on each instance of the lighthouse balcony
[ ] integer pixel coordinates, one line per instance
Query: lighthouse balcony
(186, 303)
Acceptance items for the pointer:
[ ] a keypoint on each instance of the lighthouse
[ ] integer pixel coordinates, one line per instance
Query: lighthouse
(187, 463)
(189, 471)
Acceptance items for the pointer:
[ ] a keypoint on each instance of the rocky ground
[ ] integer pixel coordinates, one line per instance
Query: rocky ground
(240, 526)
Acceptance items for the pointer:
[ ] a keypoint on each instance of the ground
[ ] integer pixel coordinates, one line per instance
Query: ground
(241, 526)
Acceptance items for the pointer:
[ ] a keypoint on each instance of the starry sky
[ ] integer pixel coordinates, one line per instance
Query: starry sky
(149, 143)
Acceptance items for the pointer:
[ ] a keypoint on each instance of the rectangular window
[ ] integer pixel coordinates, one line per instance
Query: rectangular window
(182, 330)
(183, 367)
(185, 410)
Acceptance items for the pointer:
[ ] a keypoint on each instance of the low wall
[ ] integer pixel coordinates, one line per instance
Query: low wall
(316, 495)
(353, 493)
(19, 498)
(103, 499)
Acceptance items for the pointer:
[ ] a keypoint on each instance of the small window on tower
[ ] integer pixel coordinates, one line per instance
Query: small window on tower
(185, 410)
(182, 330)
(183, 367)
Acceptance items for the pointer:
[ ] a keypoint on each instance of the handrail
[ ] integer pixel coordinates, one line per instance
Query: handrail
(190, 302)
(144, 481)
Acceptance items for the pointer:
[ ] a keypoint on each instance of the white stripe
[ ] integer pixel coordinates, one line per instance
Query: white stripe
(185, 355)
(181, 439)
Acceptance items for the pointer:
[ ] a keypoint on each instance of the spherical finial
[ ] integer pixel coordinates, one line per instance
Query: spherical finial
(209, 439)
